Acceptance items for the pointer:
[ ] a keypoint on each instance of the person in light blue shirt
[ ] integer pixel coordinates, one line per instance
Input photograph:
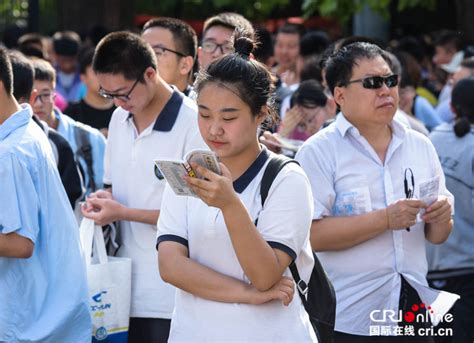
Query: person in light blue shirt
(444, 112)
(43, 287)
(67, 127)
(451, 264)
(425, 112)
(87, 143)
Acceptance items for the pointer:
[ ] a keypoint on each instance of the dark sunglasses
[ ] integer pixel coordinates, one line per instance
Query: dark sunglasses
(376, 82)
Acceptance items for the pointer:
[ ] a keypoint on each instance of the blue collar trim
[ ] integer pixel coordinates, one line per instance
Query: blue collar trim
(244, 180)
(169, 114)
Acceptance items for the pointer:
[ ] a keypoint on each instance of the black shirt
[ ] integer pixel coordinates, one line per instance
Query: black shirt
(89, 115)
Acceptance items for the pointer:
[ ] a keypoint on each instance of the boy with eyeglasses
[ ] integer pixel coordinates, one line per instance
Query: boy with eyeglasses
(357, 167)
(43, 287)
(23, 78)
(153, 120)
(87, 143)
(217, 36)
(175, 46)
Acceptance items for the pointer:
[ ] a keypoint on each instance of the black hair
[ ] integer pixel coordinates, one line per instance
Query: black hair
(184, 35)
(66, 43)
(468, 63)
(248, 78)
(357, 39)
(23, 75)
(314, 42)
(32, 44)
(44, 71)
(123, 53)
(311, 69)
(6, 74)
(309, 94)
(339, 66)
(264, 49)
(413, 46)
(410, 69)
(395, 65)
(231, 21)
(96, 33)
(462, 100)
(291, 28)
(339, 44)
(449, 39)
(12, 32)
(85, 59)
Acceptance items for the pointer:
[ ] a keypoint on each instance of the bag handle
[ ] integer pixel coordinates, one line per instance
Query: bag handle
(99, 245)
(86, 233)
(92, 238)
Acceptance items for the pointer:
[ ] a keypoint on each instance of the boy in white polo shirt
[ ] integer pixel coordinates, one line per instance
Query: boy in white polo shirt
(153, 120)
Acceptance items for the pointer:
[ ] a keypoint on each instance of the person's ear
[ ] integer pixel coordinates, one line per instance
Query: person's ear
(150, 73)
(33, 95)
(339, 95)
(186, 65)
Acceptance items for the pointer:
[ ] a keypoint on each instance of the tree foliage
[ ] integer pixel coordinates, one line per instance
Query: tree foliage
(345, 9)
(251, 9)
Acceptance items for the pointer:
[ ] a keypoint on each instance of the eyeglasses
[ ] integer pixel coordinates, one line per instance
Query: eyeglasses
(409, 191)
(210, 47)
(160, 51)
(376, 82)
(121, 97)
(44, 98)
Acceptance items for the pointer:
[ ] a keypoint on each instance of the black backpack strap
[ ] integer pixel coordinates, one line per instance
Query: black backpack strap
(320, 301)
(300, 283)
(277, 163)
(84, 149)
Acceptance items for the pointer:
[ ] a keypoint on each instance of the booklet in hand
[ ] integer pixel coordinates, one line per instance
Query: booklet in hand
(174, 170)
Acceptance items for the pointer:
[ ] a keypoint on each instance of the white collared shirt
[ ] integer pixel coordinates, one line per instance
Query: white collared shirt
(349, 179)
(284, 223)
(129, 168)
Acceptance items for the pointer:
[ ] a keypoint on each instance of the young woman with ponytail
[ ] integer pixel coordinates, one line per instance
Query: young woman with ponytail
(232, 275)
(451, 264)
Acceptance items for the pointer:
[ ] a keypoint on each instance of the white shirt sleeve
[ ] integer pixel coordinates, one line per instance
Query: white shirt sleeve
(107, 178)
(285, 219)
(320, 173)
(172, 222)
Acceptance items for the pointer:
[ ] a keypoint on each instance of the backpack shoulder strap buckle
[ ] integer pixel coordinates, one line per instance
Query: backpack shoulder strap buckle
(302, 287)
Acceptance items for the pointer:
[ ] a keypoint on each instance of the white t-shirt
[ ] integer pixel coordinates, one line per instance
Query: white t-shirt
(284, 223)
(129, 168)
(349, 179)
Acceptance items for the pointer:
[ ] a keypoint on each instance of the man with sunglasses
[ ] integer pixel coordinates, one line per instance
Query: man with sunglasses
(152, 121)
(175, 46)
(87, 143)
(357, 168)
(217, 36)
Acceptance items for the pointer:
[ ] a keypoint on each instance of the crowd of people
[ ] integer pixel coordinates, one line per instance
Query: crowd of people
(383, 190)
